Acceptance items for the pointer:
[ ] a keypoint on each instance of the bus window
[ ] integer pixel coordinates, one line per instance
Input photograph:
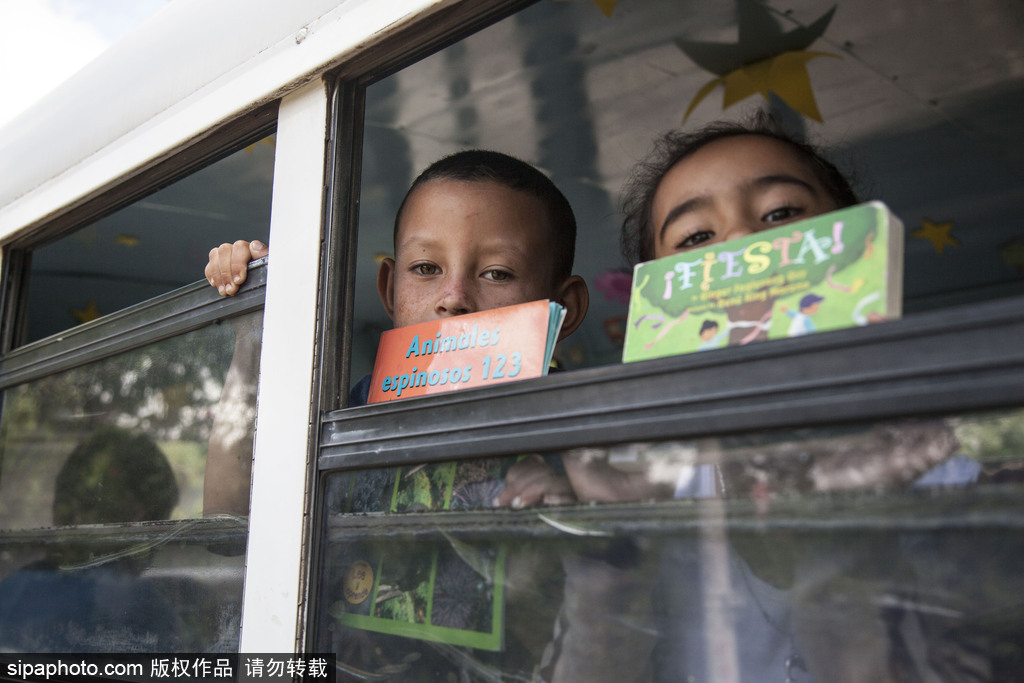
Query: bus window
(809, 504)
(796, 551)
(151, 246)
(126, 443)
(123, 443)
(582, 95)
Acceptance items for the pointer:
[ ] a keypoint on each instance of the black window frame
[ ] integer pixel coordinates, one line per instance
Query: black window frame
(956, 360)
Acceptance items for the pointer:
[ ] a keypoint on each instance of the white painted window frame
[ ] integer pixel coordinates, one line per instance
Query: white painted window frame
(271, 605)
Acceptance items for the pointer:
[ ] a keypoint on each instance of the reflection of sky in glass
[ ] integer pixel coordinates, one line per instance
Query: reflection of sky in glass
(169, 392)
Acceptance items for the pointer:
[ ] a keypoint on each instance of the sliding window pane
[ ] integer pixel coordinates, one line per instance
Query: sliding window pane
(124, 489)
(888, 551)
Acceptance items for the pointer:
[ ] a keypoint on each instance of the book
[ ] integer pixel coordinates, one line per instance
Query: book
(836, 270)
(474, 350)
(449, 591)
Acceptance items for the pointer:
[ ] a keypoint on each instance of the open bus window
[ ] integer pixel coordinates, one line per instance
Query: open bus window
(106, 473)
(151, 246)
(883, 549)
(913, 107)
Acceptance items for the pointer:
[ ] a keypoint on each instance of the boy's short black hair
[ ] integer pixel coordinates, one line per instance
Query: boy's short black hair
(707, 325)
(114, 476)
(637, 240)
(477, 165)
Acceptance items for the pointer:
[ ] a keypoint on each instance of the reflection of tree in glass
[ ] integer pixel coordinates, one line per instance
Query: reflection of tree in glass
(167, 389)
(462, 597)
(993, 438)
(834, 459)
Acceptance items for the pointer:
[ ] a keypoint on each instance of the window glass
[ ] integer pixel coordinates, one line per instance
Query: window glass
(139, 590)
(912, 101)
(95, 461)
(165, 401)
(885, 550)
(152, 246)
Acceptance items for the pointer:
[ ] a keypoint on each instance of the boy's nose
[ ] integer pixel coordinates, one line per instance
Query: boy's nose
(455, 298)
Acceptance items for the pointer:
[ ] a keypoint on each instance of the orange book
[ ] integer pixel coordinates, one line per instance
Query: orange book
(475, 350)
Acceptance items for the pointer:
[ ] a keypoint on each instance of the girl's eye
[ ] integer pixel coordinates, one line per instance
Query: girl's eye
(696, 239)
(497, 275)
(425, 269)
(783, 213)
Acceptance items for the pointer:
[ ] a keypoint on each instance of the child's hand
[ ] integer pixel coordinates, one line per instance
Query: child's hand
(531, 481)
(227, 267)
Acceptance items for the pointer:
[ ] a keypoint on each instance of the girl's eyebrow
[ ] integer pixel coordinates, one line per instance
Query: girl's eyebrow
(679, 210)
(767, 181)
(760, 183)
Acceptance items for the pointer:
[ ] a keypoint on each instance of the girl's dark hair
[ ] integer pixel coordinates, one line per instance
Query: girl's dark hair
(637, 239)
(477, 165)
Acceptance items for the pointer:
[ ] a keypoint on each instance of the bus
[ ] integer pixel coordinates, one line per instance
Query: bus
(181, 472)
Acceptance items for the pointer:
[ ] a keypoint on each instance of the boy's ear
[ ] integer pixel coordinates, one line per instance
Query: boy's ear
(386, 285)
(574, 295)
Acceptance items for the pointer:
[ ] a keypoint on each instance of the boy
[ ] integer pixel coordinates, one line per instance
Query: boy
(477, 230)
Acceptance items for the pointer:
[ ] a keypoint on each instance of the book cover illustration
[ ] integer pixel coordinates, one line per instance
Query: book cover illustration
(450, 591)
(832, 271)
(474, 350)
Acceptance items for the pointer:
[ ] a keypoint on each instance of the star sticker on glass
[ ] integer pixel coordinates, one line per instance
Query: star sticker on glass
(1012, 254)
(90, 312)
(764, 60)
(937, 233)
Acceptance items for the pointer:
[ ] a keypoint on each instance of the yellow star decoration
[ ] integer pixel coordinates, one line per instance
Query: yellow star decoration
(88, 313)
(269, 141)
(1012, 253)
(606, 6)
(784, 74)
(937, 234)
(87, 237)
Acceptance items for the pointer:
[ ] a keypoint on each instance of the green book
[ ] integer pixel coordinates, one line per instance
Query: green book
(450, 590)
(833, 271)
